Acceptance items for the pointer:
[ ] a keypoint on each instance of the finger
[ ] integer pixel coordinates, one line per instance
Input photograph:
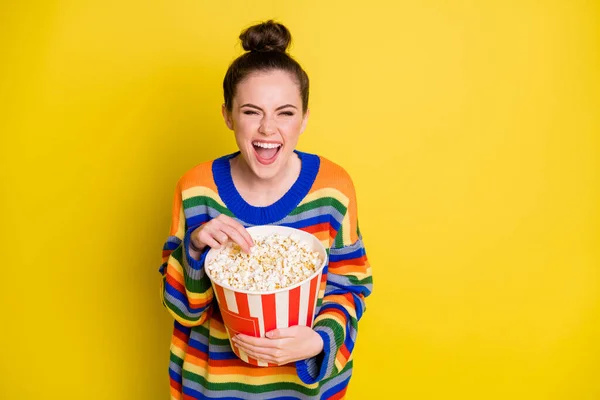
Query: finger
(213, 237)
(274, 334)
(235, 235)
(262, 353)
(212, 243)
(240, 229)
(207, 240)
(218, 234)
(282, 333)
(259, 356)
(254, 341)
(246, 235)
(221, 237)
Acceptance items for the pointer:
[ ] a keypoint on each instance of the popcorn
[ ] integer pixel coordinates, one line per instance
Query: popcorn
(275, 262)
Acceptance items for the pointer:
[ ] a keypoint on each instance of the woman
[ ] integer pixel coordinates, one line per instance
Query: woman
(266, 182)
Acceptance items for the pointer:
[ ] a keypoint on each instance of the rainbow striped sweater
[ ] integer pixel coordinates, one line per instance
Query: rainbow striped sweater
(322, 201)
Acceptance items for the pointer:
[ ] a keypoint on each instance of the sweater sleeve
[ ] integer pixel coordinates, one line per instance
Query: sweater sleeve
(185, 289)
(349, 282)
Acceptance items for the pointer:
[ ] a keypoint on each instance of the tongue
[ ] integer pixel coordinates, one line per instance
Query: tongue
(266, 154)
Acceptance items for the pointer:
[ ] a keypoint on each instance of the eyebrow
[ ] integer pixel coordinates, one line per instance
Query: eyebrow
(277, 109)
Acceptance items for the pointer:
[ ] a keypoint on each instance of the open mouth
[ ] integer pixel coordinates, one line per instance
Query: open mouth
(266, 153)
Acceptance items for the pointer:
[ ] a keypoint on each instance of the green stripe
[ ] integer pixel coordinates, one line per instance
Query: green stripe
(193, 285)
(337, 328)
(319, 302)
(338, 243)
(201, 285)
(320, 202)
(206, 201)
(201, 329)
(269, 387)
(177, 254)
(338, 334)
(359, 282)
(177, 311)
(218, 342)
(173, 357)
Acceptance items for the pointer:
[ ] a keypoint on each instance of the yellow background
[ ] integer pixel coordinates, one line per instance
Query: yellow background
(471, 129)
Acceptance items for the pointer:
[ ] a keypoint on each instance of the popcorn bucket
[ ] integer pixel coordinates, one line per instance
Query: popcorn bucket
(255, 313)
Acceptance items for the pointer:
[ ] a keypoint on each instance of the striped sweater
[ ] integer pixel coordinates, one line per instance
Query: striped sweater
(322, 201)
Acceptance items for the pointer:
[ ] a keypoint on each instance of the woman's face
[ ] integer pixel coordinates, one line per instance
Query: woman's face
(267, 119)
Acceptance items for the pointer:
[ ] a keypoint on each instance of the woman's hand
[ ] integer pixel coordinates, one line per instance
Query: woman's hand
(282, 346)
(216, 233)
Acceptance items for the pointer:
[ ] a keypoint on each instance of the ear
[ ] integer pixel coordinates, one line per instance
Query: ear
(227, 117)
(304, 120)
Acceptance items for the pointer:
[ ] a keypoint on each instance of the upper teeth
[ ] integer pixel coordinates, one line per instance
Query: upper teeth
(266, 145)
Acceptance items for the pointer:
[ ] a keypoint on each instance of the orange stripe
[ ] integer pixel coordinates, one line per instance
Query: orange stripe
(216, 324)
(175, 389)
(322, 236)
(331, 175)
(345, 298)
(200, 175)
(362, 260)
(180, 344)
(348, 269)
(331, 311)
(252, 371)
(238, 367)
(175, 273)
(200, 303)
(177, 285)
(177, 282)
(176, 211)
(340, 358)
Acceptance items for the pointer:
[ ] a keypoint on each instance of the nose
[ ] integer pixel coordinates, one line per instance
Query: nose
(267, 126)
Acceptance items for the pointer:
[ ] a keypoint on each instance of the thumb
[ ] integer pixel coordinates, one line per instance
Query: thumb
(274, 334)
(283, 333)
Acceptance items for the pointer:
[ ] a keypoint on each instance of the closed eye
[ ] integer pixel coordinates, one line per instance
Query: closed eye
(250, 112)
(287, 113)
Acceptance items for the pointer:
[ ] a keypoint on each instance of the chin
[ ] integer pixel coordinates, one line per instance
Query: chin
(269, 169)
(265, 172)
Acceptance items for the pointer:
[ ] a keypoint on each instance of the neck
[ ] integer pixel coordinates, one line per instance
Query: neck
(264, 192)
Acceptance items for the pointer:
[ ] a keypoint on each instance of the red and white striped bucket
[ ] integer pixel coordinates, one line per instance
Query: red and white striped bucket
(255, 313)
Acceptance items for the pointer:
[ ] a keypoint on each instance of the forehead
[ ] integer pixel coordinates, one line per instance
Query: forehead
(268, 88)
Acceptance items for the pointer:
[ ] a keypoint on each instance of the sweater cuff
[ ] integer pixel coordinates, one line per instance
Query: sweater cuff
(195, 269)
(315, 369)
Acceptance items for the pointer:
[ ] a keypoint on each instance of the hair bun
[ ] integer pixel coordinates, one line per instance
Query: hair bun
(267, 36)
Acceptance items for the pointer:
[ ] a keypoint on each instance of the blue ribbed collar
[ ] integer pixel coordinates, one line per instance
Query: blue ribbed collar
(275, 212)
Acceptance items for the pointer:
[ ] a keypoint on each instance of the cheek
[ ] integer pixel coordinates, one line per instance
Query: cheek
(244, 128)
(291, 127)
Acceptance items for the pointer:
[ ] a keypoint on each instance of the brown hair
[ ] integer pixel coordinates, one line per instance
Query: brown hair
(265, 44)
